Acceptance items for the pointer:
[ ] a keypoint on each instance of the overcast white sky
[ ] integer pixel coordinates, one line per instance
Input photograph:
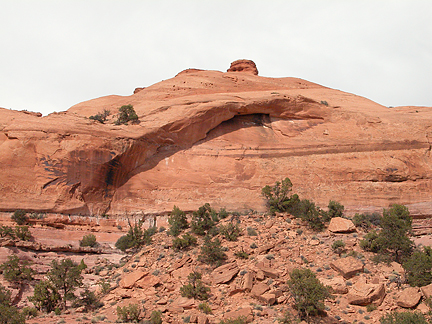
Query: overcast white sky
(56, 53)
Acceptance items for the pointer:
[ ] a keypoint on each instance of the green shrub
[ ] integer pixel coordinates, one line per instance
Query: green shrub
(211, 252)
(185, 242)
(396, 224)
(241, 255)
(392, 240)
(30, 312)
(101, 117)
(5, 296)
(124, 242)
(308, 292)
(129, 313)
(251, 231)
(367, 221)
(20, 217)
(7, 231)
(63, 279)
(23, 233)
(156, 317)
(45, 297)
(205, 308)
(370, 242)
(371, 307)
(406, 317)
(16, 271)
(230, 231)
(178, 221)
(223, 213)
(276, 196)
(312, 215)
(88, 299)
(418, 267)
(105, 286)
(338, 247)
(11, 315)
(195, 288)
(88, 240)
(126, 113)
(335, 209)
(202, 220)
(136, 237)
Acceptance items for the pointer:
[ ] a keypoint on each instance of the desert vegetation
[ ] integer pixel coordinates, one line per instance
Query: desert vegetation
(252, 249)
(126, 114)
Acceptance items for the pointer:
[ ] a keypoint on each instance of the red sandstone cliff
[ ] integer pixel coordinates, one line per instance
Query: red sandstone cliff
(208, 136)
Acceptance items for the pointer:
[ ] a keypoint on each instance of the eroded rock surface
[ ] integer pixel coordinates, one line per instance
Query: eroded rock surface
(208, 136)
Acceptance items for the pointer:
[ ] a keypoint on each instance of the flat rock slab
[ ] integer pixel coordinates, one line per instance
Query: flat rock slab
(130, 279)
(245, 312)
(184, 302)
(364, 294)
(268, 272)
(268, 298)
(409, 297)
(341, 225)
(259, 289)
(348, 266)
(224, 273)
(337, 284)
(426, 291)
(148, 281)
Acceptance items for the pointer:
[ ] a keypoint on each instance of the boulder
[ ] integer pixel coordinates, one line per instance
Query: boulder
(348, 266)
(148, 281)
(131, 278)
(363, 293)
(265, 248)
(248, 280)
(268, 298)
(341, 225)
(268, 272)
(409, 297)
(337, 284)
(224, 273)
(259, 289)
(185, 303)
(426, 290)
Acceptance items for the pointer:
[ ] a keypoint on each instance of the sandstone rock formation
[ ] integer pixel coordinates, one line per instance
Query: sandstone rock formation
(208, 136)
(341, 225)
(409, 297)
(348, 266)
(243, 66)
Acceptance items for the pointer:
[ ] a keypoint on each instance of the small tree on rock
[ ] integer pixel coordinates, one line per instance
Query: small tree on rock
(211, 252)
(65, 276)
(277, 196)
(195, 288)
(16, 271)
(45, 297)
(202, 220)
(178, 221)
(308, 292)
(419, 267)
(20, 217)
(126, 113)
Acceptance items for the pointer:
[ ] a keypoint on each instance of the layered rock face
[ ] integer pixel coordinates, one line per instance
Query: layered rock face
(208, 136)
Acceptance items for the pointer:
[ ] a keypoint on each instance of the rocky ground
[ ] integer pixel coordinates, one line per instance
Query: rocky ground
(254, 287)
